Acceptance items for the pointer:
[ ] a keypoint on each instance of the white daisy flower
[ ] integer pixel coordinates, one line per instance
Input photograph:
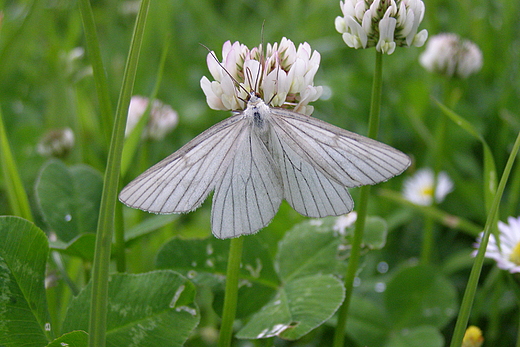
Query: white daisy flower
(508, 255)
(419, 188)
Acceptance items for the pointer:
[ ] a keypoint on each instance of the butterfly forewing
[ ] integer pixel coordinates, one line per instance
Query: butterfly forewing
(182, 181)
(349, 159)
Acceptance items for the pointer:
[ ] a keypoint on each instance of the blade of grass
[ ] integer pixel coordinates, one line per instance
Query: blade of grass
(16, 194)
(490, 172)
(132, 141)
(100, 269)
(469, 294)
(100, 79)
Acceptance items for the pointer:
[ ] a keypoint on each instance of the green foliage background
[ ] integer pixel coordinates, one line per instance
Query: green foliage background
(41, 89)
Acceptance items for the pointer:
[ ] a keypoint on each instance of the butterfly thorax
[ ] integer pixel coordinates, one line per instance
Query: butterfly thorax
(257, 110)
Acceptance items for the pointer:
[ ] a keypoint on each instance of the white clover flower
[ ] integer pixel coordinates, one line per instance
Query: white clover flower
(284, 76)
(345, 221)
(508, 255)
(163, 118)
(419, 188)
(452, 56)
(384, 24)
(56, 143)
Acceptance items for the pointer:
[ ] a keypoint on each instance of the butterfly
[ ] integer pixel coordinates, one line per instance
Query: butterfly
(255, 159)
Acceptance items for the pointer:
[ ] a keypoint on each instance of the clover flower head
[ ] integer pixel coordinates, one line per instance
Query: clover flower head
(419, 188)
(507, 255)
(385, 24)
(163, 118)
(282, 76)
(56, 143)
(344, 222)
(449, 55)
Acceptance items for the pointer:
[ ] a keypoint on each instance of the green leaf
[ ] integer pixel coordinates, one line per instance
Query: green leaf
(205, 262)
(151, 309)
(423, 336)
(210, 256)
(375, 233)
(24, 318)
(73, 339)
(300, 305)
(320, 246)
(308, 248)
(81, 246)
(149, 225)
(420, 295)
(367, 322)
(69, 198)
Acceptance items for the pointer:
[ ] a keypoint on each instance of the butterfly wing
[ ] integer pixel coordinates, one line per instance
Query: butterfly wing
(318, 161)
(250, 192)
(349, 159)
(306, 188)
(183, 180)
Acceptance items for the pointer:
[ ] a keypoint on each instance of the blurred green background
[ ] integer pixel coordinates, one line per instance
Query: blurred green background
(42, 88)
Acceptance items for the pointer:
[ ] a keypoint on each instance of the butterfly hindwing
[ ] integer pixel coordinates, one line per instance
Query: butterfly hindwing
(250, 191)
(306, 189)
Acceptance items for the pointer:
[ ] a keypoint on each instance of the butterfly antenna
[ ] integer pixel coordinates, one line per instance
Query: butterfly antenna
(278, 64)
(227, 72)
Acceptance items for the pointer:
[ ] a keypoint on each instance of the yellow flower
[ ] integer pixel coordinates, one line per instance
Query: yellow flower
(473, 337)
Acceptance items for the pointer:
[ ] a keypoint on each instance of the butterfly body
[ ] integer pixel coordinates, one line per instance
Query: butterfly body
(255, 159)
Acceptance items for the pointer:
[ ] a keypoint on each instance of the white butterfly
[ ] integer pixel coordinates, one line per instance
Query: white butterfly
(256, 158)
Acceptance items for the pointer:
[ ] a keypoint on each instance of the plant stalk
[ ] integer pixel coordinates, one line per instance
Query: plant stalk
(355, 254)
(231, 293)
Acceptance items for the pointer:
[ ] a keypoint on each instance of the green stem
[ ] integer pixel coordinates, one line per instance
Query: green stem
(440, 216)
(469, 294)
(428, 240)
(231, 294)
(518, 334)
(438, 154)
(105, 229)
(355, 254)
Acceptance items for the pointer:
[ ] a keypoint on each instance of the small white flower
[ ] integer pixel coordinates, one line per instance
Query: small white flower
(284, 76)
(452, 56)
(384, 24)
(56, 143)
(73, 65)
(345, 221)
(163, 118)
(419, 188)
(508, 255)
